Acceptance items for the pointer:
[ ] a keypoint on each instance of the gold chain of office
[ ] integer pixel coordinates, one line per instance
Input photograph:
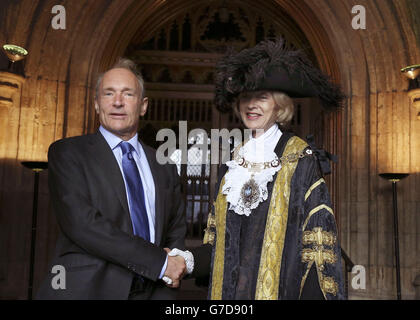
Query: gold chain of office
(259, 166)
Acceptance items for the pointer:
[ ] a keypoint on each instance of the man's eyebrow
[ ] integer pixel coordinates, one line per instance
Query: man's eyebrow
(123, 89)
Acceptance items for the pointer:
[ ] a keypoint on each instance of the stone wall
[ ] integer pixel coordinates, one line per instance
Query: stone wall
(379, 130)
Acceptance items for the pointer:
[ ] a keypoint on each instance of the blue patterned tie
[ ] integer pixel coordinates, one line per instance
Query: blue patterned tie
(135, 192)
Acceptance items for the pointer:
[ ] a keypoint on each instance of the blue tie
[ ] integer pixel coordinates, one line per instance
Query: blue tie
(135, 192)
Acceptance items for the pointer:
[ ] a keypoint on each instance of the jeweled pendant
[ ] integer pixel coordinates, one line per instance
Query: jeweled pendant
(250, 193)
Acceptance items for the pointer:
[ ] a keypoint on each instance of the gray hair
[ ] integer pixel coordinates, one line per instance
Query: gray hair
(123, 63)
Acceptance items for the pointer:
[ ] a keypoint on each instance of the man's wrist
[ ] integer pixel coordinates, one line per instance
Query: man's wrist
(188, 257)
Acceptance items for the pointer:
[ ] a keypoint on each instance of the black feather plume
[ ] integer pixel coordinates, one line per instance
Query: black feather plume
(271, 65)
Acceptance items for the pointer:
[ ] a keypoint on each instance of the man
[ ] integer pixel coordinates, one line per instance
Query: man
(117, 208)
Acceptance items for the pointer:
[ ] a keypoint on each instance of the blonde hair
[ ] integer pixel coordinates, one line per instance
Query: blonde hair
(283, 101)
(286, 107)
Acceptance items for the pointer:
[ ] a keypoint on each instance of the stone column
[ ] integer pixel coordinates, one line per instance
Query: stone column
(13, 216)
(10, 96)
(414, 96)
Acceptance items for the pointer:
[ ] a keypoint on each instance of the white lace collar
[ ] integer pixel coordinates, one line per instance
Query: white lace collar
(244, 188)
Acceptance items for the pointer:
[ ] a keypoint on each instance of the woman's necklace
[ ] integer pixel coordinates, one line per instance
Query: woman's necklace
(246, 181)
(250, 192)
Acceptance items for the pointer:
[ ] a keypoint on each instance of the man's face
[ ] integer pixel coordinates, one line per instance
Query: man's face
(119, 103)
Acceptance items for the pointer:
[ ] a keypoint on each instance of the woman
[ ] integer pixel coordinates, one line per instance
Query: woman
(272, 232)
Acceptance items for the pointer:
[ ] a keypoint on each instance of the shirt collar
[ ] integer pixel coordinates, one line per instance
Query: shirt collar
(113, 141)
(261, 149)
(267, 135)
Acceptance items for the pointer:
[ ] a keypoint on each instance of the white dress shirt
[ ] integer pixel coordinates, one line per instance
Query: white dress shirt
(145, 175)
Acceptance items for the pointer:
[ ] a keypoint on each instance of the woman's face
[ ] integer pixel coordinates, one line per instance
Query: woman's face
(258, 110)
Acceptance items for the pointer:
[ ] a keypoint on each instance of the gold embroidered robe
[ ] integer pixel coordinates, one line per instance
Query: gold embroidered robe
(287, 248)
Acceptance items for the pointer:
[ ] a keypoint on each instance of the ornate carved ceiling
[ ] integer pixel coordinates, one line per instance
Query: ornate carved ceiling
(184, 48)
(216, 25)
(154, 27)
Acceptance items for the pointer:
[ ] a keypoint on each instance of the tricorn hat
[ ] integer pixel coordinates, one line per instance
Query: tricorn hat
(271, 66)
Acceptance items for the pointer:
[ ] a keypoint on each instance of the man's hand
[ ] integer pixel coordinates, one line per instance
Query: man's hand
(175, 269)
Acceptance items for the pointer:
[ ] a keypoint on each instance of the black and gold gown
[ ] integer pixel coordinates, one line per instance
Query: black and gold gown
(287, 248)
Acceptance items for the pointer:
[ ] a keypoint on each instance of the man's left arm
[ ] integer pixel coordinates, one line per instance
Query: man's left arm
(176, 228)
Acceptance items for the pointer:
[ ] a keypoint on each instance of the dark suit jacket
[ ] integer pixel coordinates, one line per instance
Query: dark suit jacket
(96, 245)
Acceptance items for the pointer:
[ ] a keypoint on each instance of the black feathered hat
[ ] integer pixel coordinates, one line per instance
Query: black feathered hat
(271, 66)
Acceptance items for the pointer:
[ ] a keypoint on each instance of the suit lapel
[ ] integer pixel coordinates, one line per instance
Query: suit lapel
(156, 173)
(104, 157)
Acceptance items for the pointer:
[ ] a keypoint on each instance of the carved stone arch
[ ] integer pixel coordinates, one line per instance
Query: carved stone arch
(379, 129)
(368, 133)
(136, 25)
(298, 23)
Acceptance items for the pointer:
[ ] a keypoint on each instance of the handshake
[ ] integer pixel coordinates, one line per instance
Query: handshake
(179, 263)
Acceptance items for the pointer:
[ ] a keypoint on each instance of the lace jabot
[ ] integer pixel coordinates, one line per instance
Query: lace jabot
(253, 167)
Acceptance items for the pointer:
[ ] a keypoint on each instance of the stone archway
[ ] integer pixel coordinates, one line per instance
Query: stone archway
(319, 48)
(377, 131)
(364, 134)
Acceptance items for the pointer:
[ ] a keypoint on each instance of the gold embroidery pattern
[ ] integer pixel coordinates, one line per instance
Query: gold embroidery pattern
(275, 231)
(312, 187)
(302, 283)
(209, 234)
(319, 237)
(209, 237)
(315, 210)
(319, 255)
(329, 285)
(219, 256)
